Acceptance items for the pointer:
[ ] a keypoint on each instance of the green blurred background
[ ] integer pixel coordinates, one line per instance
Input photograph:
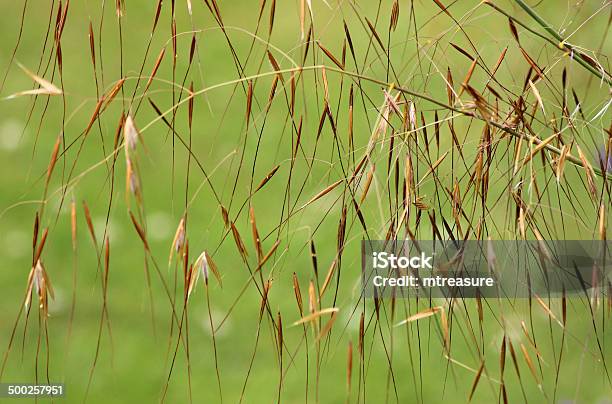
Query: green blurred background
(134, 366)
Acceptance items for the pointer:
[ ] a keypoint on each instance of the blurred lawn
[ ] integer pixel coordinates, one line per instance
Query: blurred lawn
(134, 367)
